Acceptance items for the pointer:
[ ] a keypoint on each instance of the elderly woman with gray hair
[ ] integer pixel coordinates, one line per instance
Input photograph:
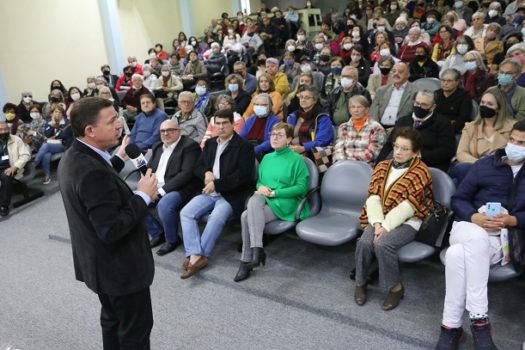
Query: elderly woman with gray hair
(476, 79)
(191, 121)
(407, 52)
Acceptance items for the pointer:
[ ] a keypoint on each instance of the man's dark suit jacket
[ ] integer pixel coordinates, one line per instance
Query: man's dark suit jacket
(237, 166)
(111, 251)
(179, 171)
(439, 142)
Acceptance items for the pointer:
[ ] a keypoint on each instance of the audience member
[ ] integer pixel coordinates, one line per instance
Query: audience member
(146, 132)
(359, 62)
(478, 29)
(226, 168)
(281, 185)
(360, 138)
(124, 82)
(408, 49)
(280, 79)
(452, 101)
(150, 78)
(111, 79)
(250, 82)
(234, 84)
(476, 79)
(399, 198)
(456, 59)
(34, 131)
(203, 98)
(131, 100)
(491, 45)
(259, 126)
(265, 84)
(383, 77)
(423, 66)
(194, 70)
(22, 110)
(223, 102)
(444, 47)
(12, 120)
(509, 71)
(191, 121)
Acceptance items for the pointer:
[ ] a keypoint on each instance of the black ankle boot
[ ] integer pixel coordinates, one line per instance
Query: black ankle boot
(258, 258)
(243, 273)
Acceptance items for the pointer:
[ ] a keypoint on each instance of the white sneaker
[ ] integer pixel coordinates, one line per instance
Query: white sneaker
(47, 180)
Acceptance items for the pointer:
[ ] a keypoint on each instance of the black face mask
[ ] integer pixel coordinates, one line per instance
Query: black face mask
(486, 112)
(420, 112)
(385, 71)
(128, 74)
(56, 87)
(261, 62)
(324, 58)
(54, 99)
(105, 72)
(421, 57)
(4, 137)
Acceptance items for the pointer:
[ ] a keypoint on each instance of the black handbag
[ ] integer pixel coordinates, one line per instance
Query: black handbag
(436, 226)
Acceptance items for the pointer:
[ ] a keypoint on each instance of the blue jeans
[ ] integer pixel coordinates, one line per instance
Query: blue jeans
(44, 155)
(459, 171)
(168, 209)
(200, 205)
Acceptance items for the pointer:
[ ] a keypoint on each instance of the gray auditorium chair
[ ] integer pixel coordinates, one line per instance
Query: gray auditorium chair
(475, 110)
(430, 84)
(343, 192)
(497, 273)
(130, 173)
(279, 226)
(443, 188)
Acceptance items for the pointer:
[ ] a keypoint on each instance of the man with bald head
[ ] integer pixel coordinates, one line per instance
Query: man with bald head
(339, 96)
(172, 160)
(396, 99)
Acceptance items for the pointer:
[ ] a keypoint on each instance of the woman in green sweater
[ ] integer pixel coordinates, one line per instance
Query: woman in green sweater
(282, 184)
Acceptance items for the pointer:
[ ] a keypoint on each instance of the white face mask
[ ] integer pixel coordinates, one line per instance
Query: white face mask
(133, 64)
(319, 46)
(194, 43)
(165, 73)
(146, 73)
(393, 7)
(384, 52)
(356, 34)
(260, 111)
(514, 152)
(291, 48)
(301, 37)
(99, 87)
(347, 46)
(75, 96)
(306, 68)
(152, 55)
(200, 90)
(493, 13)
(462, 48)
(356, 58)
(346, 82)
(381, 28)
(27, 99)
(35, 115)
(431, 20)
(92, 85)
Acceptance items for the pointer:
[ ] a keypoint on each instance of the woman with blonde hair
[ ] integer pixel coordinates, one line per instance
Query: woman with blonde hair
(266, 85)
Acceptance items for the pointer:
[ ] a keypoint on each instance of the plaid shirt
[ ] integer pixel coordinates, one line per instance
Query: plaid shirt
(364, 145)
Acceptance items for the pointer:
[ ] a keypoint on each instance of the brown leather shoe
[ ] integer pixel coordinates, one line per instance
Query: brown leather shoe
(393, 298)
(201, 263)
(185, 264)
(360, 295)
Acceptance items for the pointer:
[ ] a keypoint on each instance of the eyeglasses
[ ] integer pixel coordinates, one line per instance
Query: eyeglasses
(303, 97)
(28, 96)
(447, 80)
(224, 104)
(277, 135)
(186, 102)
(402, 149)
(168, 131)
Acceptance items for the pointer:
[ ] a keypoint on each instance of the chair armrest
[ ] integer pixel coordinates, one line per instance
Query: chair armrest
(303, 202)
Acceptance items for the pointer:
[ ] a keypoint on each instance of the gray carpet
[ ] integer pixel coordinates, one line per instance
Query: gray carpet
(301, 299)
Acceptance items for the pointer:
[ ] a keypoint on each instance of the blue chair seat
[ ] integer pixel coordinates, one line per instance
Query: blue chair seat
(329, 228)
(415, 251)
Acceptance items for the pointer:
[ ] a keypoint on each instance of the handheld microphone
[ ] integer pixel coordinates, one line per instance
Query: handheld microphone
(134, 153)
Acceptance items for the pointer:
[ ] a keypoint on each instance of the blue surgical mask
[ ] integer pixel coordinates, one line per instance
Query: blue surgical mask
(233, 87)
(260, 111)
(288, 63)
(514, 152)
(458, 4)
(471, 66)
(505, 79)
(200, 90)
(336, 70)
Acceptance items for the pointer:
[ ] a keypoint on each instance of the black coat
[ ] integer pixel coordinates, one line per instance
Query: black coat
(237, 169)
(439, 142)
(111, 251)
(179, 171)
(457, 108)
(429, 70)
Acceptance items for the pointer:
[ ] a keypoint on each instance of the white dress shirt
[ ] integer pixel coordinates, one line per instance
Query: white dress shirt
(390, 115)
(163, 165)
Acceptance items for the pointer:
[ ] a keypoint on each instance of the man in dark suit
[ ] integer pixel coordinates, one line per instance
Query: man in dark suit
(111, 252)
(173, 161)
(226, 169)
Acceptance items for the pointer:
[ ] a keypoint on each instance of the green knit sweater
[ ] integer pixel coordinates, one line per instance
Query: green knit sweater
(285, 172)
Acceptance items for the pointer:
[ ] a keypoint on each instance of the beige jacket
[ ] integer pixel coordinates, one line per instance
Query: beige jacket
(473, 145)
(18, 154)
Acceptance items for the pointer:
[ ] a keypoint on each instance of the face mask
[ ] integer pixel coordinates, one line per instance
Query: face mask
(75, 96)
(385, 71)
(356, 34)
(200, 90)
(471, 66)
(261, 62)
(56, 87)
(356, 58)
(458, 4)
(128, 74)
(393, 7)
(35, 115)
(99, 87)
(165, 73)
(515, 153)
(4, 137)
(347, 46)
(384, 52)
(146, 73)
(152, 55)
(420, 112)
(233, 87)
(306, 68)
(194, 43)
(421, 57)
(492, 13)
(324, 58)
(288, 63)
(462, 49)
(336, 70)
(27, 99)
(301, 37)
(260, 111)
(291, 48)
(431, 20)
(92, 85)
(505, 79)
(10, 116)
(134, 64)
(319, 46)
(486, 112)
(54, 99)
(346, 83)
(105, 72)
(381, 28)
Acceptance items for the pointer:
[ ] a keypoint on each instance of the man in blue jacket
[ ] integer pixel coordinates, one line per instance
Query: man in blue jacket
(475, 242)
(146, 132)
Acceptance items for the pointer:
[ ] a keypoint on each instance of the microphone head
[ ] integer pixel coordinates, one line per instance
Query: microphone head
(133, 151)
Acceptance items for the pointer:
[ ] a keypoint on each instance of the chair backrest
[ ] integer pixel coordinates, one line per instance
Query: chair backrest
(475, 110)
(431, 84)
(344, 188)
(313, 182)
(442, 186)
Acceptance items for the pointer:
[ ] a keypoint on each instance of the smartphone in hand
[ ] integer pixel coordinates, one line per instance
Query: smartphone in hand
(493, 208)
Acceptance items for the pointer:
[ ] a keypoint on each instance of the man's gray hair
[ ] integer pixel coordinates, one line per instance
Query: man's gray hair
(429, 94)
(186, 93)
(267, 97)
